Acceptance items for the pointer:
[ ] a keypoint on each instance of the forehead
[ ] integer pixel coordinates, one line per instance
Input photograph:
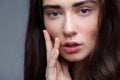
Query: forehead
(63, 1)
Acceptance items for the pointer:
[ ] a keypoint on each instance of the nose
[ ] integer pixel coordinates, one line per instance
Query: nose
(69, 28)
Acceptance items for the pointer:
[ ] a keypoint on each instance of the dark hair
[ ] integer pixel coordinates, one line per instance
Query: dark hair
(104, 63)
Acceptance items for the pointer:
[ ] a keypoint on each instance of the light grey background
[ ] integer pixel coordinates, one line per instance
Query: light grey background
(13, 21)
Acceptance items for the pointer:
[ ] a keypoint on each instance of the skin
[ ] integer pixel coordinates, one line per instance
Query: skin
(69, 21)
(55, 70)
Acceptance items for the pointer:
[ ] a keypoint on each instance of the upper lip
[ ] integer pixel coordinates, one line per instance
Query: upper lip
(71, 44)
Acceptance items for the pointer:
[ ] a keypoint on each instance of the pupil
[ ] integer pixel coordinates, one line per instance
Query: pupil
(84, 10)
(55, 13)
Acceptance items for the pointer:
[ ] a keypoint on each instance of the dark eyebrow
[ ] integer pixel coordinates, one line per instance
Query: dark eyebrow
(51, 6)
(48, 6)
(83, 2)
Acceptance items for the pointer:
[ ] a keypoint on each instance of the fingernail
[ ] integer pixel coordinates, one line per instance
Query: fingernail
(57, 39)
(56, 50)
(44, 31)
(56, 53)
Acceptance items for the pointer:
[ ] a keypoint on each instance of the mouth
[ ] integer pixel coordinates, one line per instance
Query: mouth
(71, 47)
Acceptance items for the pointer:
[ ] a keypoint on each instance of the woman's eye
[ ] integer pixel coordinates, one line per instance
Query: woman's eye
(53, 14)
(84, 11)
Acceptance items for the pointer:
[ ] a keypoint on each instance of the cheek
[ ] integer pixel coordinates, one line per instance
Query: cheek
(90, 27)
(52, 27)
(90, 31)
(91, 35)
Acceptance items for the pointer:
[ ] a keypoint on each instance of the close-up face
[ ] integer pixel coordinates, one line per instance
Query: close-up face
(75, 23)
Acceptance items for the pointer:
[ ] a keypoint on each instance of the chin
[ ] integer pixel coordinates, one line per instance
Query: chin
(75, 57)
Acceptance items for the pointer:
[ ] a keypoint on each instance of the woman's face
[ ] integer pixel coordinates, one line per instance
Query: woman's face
(75, 23)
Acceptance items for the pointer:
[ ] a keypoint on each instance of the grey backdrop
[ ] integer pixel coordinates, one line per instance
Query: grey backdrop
(13, 21)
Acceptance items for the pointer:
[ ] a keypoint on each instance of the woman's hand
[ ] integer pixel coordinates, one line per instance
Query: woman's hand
(55, 70)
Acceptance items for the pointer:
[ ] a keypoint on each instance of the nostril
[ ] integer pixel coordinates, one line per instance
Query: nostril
(70, 33)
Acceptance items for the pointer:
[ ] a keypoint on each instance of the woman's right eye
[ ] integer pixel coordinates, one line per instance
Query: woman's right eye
(53, 14)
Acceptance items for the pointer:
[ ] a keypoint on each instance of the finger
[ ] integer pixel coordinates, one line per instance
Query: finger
(53, 59)
(51, 65)
(57, 43)
(56, 47)
(65, 69)
(48, 42)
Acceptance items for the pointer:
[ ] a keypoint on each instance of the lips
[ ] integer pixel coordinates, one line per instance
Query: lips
(71, 47)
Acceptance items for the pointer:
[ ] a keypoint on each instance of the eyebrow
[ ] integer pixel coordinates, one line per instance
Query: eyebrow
(84, 2)
(51, 6)
(48, 6)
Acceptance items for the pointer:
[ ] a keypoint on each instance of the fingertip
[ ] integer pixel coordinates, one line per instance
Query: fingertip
(56, 53)
(44, 31)
(57, 40)
(57, 43)
(46, 34)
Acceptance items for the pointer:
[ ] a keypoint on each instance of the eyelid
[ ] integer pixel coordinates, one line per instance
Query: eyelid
(50, 12)
(87, 5)
(83, 7)
(89, 9)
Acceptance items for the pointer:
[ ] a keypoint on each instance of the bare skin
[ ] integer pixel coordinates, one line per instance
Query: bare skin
(73, 27)
(55, 70)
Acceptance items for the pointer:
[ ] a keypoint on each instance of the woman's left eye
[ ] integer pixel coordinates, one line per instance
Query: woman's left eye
(84, 11)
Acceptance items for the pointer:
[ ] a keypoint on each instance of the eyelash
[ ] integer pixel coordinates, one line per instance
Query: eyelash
(53, 14)
(84, 11)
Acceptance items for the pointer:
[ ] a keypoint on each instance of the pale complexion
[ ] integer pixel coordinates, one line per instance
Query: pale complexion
(73, 26)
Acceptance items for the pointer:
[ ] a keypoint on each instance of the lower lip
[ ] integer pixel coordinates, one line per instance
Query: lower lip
(71, 49)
